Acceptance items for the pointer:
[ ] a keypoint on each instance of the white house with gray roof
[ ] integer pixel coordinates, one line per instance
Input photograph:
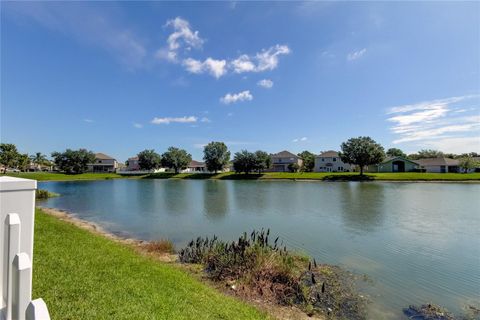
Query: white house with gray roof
(329, 161)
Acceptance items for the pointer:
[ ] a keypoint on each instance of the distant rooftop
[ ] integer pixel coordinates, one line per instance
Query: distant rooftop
(437, 162)
(103, 156)
(328, 154)
(284, 154)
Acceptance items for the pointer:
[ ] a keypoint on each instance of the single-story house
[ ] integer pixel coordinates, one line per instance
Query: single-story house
(103, 163)
(329, 161)
(439, 165)
(395, 164)
(281, 161)
(196, 167)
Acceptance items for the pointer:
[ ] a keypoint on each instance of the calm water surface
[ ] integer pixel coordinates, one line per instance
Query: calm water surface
(419, 242)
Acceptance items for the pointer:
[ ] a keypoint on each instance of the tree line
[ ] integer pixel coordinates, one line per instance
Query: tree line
(360, 151)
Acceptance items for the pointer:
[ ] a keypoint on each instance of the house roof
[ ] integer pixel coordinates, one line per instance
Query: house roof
(196, 164)
(387, 159)
(438, 162)
(133, 158)
(284, 154)
(328, 154)
(103, 156)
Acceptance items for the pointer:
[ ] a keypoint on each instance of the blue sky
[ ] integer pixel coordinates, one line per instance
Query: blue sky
(122, 77)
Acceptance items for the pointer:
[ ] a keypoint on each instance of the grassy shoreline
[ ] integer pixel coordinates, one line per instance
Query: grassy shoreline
(325, 176)
(299, 176)
(83, 275)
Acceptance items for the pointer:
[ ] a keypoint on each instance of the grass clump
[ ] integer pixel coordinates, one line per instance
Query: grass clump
(256, 267)
(41, 194)
(160, 246)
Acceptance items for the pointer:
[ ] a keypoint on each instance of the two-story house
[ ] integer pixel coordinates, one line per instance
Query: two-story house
(282, 160)
(132, 164)
(103, 163)
(329, 161)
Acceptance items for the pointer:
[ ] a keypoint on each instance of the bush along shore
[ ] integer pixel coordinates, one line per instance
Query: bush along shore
(41, 194)
(255, 267)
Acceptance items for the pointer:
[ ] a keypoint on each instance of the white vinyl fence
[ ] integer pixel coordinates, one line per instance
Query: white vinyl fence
(17, 207)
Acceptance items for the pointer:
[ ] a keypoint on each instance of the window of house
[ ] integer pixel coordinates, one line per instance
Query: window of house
(334, 159)
(323, 159)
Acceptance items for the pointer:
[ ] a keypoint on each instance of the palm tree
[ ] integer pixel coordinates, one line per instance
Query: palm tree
(38, 159)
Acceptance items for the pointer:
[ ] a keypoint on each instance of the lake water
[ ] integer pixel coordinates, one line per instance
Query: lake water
(418, 242)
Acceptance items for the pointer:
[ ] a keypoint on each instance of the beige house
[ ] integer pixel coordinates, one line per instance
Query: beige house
(439, 165)
(329, 161)
(103, 163)
(281, 161)
(195, 167)
(133, 164)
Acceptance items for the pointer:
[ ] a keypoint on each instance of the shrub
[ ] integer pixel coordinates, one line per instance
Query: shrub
(160, 246)
(44, 194)
(262, 268)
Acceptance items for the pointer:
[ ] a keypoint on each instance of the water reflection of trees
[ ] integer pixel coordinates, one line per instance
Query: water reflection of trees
(215, 199)
(363, 205)
(177, 196)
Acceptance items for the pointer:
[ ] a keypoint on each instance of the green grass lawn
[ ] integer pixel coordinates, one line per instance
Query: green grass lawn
(81, 275)
(52, 176)
(346, 176)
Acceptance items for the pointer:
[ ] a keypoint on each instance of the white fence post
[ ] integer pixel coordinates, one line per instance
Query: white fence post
(12, 228)
(22, 285)
(17, 210)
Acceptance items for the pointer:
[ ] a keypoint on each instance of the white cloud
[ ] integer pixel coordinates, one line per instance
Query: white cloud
(455, 145)
(168, 120)
(436, 123)
(216, 68)
(300, 139)
(241, 96)
(88, 120)
(356, 54)
(138, 125)
(262, 61)
(182, 36)
(206, 120)
(265, 83)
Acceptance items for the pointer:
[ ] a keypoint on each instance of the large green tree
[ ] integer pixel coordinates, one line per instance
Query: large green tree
(395, 152)
(9, 155)
(176, 159)
(308, 161)
(216, 156)
(467, 163)
(362, 151)
(149, 159)
(73, 161)
(244, 161)
(263, 161)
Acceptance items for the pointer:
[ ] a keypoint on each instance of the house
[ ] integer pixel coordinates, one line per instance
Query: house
(281, 161)
(133, 164)
(196, 167)
(103, 163)
(395, 164)
(439, 165)
(329, 161)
